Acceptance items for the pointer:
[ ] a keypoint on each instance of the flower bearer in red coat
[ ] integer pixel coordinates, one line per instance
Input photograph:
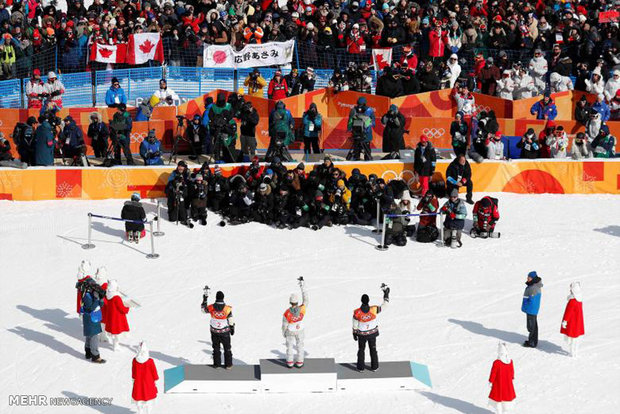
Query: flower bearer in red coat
(144, 374)
(502, 374)
(115, 313)
(101, 277)
(572, 322)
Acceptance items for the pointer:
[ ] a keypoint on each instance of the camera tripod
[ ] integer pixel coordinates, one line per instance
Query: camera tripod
(278, 149)
(359, 147)
(180, 136)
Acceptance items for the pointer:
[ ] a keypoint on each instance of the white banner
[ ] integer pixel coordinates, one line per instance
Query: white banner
(251, 56)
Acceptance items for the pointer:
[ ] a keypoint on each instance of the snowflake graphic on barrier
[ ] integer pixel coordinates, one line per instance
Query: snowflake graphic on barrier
(116, 179)
(529, 187)
(584, 184)
(64, 189)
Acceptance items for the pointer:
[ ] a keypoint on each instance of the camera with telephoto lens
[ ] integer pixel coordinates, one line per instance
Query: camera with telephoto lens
(358, 127)
(90, 286)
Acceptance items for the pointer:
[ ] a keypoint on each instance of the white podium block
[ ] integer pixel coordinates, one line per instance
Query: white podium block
(206, 379)
(391, 376)
(317, 375)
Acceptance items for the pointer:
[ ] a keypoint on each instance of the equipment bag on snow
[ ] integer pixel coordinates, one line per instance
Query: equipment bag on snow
(427, 234)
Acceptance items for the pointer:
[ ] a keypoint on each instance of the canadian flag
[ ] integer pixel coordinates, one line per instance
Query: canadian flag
(143, 47)
(108, 53)
(381, 58)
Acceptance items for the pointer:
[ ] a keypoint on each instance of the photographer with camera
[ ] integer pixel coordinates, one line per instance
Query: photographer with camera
(281, 126)
(72, 140)
(150, 150)
(389, 84)
(217, 197)
(120, 133)
(305, 84)
(45, 140)
(223, 129)
(166, 96)
(278, 89)
(196, 134)
(312, 122)
(360, 124)
(34, 90)
(91, 295)
(197, 195)
(24, 138)
(255, 83)
(133, 210)
(249, 119)
(338, 82)
(98, 133)
(393, 133)
(176, 192)
(53, 90)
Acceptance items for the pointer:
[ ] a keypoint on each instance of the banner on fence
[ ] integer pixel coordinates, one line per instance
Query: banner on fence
(267, 54)
(108, 53)
(143, 47)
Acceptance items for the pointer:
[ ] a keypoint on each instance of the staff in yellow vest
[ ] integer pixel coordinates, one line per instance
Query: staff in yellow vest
(293, 327)
(7, 56)
(366, 329)
(222, 327)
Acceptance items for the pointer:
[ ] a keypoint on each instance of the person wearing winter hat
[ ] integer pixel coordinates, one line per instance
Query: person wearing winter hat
(115, 95)
(455, 212)
(366, 329)
(545, 108)
(34, 90)
(538, 67)
(293, 327)
(572, 321)
(500, 380)
(84, 273)
(531, 306)
(53, 90)
(116, 313)
(144, 375)
(222, 328)
(134, 211)
(91, 323)
(424, 162)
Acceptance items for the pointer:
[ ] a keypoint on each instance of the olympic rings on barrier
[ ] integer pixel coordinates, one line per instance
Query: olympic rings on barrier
(434, 133)
(391, 175)
(137, 137)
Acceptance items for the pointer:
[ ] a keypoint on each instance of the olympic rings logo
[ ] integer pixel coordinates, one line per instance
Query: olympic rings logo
(407, 176)
(434, 133)
(480, 108)
(137, 137)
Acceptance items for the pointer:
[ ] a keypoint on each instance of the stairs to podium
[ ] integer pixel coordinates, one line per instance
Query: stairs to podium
(317, 375)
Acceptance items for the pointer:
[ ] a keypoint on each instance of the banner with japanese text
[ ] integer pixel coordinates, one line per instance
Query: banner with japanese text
(251, 56)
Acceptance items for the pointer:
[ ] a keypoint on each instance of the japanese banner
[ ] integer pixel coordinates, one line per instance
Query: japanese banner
(251, 56)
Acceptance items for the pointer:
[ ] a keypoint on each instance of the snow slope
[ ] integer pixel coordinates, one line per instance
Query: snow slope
(449, 308)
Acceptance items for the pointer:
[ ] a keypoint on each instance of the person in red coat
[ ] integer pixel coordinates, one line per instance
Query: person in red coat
(115, 313)
(144, 374)
(84, 272)
(545, 149)
(101, 277)
(572, 322)
(278, 89)
(502, 374)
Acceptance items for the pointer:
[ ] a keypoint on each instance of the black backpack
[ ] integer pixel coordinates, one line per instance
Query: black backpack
(427, 234)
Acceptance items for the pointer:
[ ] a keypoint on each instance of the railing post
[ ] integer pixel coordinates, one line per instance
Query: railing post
(158, 218)
(441, 239)
(152, 255)
(377, 229)
(382, 246)
(89, 245)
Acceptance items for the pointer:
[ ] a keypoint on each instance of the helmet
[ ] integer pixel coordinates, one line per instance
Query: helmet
(135, 197)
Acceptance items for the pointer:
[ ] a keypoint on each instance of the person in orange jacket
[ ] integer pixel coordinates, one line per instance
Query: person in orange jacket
(293, 327)
(253, 34)
(366, 329)
(222, 327)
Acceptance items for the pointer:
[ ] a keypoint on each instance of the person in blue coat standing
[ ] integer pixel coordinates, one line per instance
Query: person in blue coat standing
(545, 108)
(44, 143)
(115, 95)
(313, 122)
(531, 306)
(150, 150)
(91, 321)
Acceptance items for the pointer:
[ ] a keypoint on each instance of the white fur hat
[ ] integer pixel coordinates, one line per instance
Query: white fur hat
(84, 269)
(101, 275)
(293, 299)
(575, 290)
(143, 353)
(112, 289)
(502, 353)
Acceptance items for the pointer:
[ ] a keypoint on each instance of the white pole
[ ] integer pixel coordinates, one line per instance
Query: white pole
(382, 246)
(377, 229)
(152, 255)
(441, 241)
(158, 218)
(89, 245)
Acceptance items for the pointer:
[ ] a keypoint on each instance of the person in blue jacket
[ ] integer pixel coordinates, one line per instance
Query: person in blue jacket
(455, 212)
(601, 107)
(44, 143)
(207, 146)
(545, 109)
(531, 306)
(91, 322)
(312, 122)
(150, 150)
(115, 95)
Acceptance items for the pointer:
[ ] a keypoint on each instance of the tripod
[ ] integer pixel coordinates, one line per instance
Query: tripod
(180, 136)
(278, 149)
(359, 146)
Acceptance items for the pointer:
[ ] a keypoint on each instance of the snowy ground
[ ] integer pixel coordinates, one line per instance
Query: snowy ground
(449, 308)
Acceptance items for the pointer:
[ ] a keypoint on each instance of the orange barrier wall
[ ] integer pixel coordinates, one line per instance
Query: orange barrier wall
(562, 177)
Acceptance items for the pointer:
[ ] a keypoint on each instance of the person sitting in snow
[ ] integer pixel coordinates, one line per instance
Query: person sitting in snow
(486, 215)
(133, 210)
(455, 212)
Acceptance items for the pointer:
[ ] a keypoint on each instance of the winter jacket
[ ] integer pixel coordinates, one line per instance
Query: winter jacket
(558, 145)
(428, 205)
(277, 90)
(529, 150)
(44, 144)
(429, 81)
(543, 111)
(532, 296)
(162, 94)
(437, 43)
(115, 96)
(458, 173)
(115, 315)
(393, 132)
(255, 86)
(603, 109)
(458, 131)
(505, 88)
(292, 320)
(54, 90)
(312, 125)
(559, 83)
(367, 112)
(595, 88)
(455, 212)
(604, 146)
(389, 86)
(133, 210)
(524, 87)
(89, 305)
(501, 378)
(465, 104)
(72, 136)
(424, 160)
(538, 69)
(573, 316)
(144, 376)
(489, 76)
(611, 86)
(455, 72)
(495, 150)
(578, 152)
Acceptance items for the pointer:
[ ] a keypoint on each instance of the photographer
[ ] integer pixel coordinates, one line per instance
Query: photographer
(176, 191)
(305, 84)
(98, 134)
(278, 89)
(338, 82)
(120, 133)
(197, 195)
(255, 83)
(133, 210)
(393, 134)
(424, 162)
(53, 90)
(223, 129)
(292, 79)
(312, 122)
(249, 119)
(196, 134)
(360, 124)
(166, 96)
(389, 84)
(217, 197)
(24, 138)
(281, 126)
(150, 150)
(92, 301)
(44, 142)
(72, 140)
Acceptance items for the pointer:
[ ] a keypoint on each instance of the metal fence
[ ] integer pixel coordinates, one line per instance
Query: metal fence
(10, 94)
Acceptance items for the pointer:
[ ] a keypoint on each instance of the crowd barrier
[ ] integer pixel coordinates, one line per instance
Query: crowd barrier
(520, 176)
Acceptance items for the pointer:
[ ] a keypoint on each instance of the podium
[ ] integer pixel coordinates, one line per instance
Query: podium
(206, 379)
(391, 376)
(317, 375)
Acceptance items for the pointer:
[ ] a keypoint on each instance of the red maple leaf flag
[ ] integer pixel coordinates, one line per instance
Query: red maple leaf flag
(381, 58)
(143, 47)
(108, 53)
